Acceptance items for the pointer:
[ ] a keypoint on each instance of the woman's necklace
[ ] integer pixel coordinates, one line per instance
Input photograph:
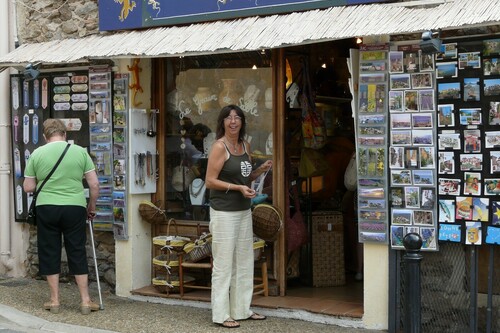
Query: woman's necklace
(235, 146)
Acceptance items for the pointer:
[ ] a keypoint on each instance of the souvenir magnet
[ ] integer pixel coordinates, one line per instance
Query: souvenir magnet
(26, 128)
(15, 93)
(45, 93)
(27, 155)
(34, 129)
(19, 199)
(16, 126)
(17, 163)
(26, 94)
(36, 94)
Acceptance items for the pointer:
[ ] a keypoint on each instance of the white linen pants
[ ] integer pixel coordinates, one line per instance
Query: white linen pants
(233, 264)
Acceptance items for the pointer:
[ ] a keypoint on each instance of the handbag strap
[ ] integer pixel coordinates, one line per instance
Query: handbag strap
(52, 171)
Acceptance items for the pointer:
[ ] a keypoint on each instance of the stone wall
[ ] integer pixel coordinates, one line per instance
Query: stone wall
(46, 20)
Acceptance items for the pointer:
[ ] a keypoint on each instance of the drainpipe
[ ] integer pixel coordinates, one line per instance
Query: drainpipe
(5, 129)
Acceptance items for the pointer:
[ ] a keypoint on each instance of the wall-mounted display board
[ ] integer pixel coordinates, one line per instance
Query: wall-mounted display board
(120, 148)
(412, 153)
(468, 131)
(62, 95)
(101, 150)
(371, 146)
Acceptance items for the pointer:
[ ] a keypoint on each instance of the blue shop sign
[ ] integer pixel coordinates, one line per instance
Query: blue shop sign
(130, 14)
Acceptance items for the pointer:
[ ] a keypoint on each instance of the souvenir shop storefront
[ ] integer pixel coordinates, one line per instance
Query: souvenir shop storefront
(149, 122)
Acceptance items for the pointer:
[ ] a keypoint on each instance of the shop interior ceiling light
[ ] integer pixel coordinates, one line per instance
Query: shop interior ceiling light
(31, 71)
(430, 43)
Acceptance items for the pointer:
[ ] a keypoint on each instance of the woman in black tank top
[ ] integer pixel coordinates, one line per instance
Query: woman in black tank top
(229, 176)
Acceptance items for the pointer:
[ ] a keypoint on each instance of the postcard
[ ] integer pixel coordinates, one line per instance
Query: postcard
(491, 47)
(401, 121)
(426, 100)
(400, 81)
(421, 80)
(492, 139)
(400, 177)
(421, 120)
(469, 60)
(494, 113)
(426, 157)
(411, 158)
(411, 63)
(463, 208)
(428, 197)
(423, 217)
(396, 101)
(411, 101)
(422, 137)
(447, 51)
(449, 90)
(371, 130)
(491, 87)
(412, 197)
(429, 241)
(396, 62)
(379, 237)
(495, 161)
(397, 197)
(423, 177)
(495, 209)
(446, 160)
(371, 203)
(492, 235)
(470, 116)
(371, 193)
(447, 141)
(471, 90)
(446, 70)
(448, 186)
(471, 162)
(371, 182)
(450, 232)
(373, 66)
(472, 183)
(396, 157)
(372, 215)
(401, 216)
(473, 230)
(492, 186)
(397, 234)
(491, 66)
(472, 141)
(446, 211)
(446, 115)
(402, 138)
(426, 62)
(481, 209)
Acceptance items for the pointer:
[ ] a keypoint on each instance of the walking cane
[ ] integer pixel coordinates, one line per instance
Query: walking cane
(91, 228)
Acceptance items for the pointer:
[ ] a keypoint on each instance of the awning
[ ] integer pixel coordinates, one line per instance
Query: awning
(268, 32)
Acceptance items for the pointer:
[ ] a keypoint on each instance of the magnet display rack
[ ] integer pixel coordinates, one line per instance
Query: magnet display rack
(468, 95)
(371, 136)
(412, 153)
(62, 95)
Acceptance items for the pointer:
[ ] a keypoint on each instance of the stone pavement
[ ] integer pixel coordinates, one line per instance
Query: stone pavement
(21, 311)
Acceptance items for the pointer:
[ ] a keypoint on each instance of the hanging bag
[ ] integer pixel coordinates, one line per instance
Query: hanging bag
(31, 219)
(313, 126)
(296, 228)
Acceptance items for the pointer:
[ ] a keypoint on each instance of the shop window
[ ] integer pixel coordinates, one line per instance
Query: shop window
(198, 89)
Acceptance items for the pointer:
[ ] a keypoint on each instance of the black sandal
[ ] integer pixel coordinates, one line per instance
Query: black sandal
(229, 323)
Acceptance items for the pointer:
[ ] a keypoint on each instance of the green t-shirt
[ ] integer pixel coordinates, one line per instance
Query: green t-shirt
(65, 186)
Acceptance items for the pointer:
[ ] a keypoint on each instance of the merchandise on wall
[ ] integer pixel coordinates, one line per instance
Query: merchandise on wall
(371, 136)
(120, 145)
(412, 154)
(62, 95)
(468, 126)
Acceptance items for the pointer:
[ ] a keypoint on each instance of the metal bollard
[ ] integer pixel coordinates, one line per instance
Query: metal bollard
(412, 243)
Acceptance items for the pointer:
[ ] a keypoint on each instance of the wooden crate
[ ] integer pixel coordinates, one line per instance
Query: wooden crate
(328, 249)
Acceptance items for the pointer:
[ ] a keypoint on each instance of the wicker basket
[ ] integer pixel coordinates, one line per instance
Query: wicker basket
(171, 242)
(267, 222)
(167, 260)
(151, 213)
(170, 283)
(328, 249)
(199, 249)
(258, 247)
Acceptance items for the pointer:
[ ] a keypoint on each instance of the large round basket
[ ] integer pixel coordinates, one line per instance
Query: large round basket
(151, 213)
(170, 283)
(267, 222)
